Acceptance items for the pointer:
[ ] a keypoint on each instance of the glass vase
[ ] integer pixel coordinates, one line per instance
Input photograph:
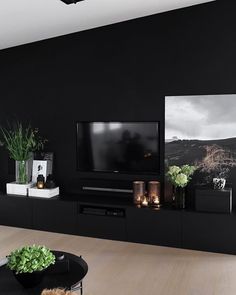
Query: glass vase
(154, 193)
(23, 171)
(138, 191)
(179, 197)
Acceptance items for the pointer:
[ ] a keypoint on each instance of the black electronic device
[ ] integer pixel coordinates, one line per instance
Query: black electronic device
(91, 210)
(115, 212)
(94, 211)
(118, 147)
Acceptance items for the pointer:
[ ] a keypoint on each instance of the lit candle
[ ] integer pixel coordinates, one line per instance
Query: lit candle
(154, 193)
(138, 191)
(40, 181)
(156, 200)
(40, 185)
(145, 202)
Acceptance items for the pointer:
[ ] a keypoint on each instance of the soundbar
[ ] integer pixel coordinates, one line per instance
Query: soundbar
(107, 189)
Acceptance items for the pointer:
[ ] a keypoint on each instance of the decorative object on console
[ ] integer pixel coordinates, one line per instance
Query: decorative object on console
(179, 197)
(211, 200)
(29, 263)
(50, 183)
(40, 167)
(40, 181)
(144, 201)
(180, 177)
(23, 170)
(21, 143)
(42, 164)
(14, 188)
(219, 183)
(43, 193)
(138, 191)
(154, 193)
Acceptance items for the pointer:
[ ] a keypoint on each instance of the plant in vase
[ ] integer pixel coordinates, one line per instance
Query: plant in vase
(29, 263)
(21, 143)
(180, 177)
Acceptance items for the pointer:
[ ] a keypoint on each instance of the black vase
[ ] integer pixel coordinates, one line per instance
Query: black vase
(30, 280)
(179, 197)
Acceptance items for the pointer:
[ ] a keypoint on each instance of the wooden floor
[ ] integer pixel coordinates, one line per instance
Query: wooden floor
(120, 268)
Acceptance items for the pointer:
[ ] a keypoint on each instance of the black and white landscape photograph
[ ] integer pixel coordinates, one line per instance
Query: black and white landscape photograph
(201, 131)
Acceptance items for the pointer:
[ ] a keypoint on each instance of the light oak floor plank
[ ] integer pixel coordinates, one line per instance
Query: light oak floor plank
(120, 268)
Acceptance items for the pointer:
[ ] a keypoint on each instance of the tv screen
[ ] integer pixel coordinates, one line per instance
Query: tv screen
(125, 147)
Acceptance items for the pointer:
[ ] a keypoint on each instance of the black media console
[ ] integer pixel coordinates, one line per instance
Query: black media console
(119, 219)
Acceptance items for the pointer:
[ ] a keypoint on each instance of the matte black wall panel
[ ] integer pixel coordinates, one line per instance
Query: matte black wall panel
(119, 72)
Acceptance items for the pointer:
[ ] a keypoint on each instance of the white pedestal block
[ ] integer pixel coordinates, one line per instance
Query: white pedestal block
(43, 193)
(18, 189)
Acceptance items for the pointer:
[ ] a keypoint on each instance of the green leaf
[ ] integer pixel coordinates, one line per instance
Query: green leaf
(20, 141)
(30, 258)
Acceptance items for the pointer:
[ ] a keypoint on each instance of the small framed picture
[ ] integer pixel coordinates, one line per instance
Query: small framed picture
(42, 164)
(39, 167)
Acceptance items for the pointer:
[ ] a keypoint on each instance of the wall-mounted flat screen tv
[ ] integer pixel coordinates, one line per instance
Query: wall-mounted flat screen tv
(125, 147)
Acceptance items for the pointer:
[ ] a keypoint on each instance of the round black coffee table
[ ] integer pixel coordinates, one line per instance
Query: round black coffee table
(60, 275)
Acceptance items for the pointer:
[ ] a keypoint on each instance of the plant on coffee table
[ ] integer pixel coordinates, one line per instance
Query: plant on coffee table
(28, 264)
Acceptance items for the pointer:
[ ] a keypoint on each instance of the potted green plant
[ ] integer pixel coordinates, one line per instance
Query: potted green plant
(21, 143)
(29, 263)
(180, 177)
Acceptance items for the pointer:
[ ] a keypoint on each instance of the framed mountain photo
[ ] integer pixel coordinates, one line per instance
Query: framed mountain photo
(201, 130)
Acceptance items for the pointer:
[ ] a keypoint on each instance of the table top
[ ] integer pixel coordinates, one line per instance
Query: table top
(78, 268)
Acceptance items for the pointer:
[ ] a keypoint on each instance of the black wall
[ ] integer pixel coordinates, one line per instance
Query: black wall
(117, 72)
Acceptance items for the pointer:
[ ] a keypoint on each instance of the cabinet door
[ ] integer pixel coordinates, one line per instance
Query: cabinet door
(16, 211)
(55, 215)
(158, 227)
(106, 227)
(209, 232)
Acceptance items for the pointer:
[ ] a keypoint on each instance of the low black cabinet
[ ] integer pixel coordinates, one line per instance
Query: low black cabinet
(209, 232)
(16, 211)
(150, 226)
(213, 232)
(102, 226)
(54, 215)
